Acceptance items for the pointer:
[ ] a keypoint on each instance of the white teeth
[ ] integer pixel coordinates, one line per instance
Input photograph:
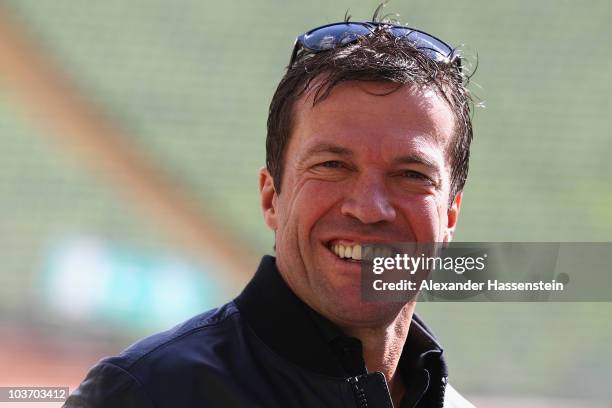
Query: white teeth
(357, 252)
(348, 252)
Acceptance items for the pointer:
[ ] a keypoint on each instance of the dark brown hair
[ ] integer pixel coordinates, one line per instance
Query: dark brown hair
(379, 57)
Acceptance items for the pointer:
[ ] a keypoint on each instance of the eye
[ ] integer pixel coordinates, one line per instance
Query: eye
(415, 175)
(331, 169)
(331, 164)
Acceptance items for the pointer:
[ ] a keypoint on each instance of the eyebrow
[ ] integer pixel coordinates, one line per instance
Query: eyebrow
(326, 148)
(346, 152)
(417, 159)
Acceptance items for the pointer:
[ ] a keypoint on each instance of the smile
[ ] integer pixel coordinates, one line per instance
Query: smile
(357, 253)
(349, 252)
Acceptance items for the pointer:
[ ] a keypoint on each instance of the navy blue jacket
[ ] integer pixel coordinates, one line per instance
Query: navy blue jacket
(266, 348)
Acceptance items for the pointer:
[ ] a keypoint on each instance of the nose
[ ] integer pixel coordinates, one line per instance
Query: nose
(369, 201)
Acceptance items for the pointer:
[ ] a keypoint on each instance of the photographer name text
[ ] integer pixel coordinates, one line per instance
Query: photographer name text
(469, 285)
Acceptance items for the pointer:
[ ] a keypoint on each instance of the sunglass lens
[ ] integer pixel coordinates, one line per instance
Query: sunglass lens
(333, 36)
(431, 46)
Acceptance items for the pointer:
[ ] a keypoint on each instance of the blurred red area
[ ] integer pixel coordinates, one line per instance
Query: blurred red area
(31, 358)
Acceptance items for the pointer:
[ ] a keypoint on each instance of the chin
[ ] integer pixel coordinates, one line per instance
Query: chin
(347, 309)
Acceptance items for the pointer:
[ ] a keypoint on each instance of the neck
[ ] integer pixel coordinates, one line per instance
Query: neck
(383, 345)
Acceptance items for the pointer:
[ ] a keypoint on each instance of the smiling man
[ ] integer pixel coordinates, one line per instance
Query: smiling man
(368, 143)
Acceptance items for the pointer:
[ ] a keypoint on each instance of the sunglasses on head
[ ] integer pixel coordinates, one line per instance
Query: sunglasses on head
(336, 35)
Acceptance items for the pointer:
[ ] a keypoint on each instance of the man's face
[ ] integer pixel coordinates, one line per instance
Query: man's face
(359, 168)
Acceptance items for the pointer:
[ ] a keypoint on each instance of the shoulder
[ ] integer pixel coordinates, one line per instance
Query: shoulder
(179, 342)
(452, 399)
(157, 367)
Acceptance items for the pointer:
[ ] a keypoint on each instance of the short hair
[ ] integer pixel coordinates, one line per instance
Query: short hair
(378, 57)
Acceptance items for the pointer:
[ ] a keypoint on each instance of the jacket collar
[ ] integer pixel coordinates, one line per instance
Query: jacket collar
(296, 332)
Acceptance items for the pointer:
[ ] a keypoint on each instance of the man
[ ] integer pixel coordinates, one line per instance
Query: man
(368, 142)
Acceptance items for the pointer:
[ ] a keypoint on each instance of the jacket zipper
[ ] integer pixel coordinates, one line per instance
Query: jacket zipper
(358, 390)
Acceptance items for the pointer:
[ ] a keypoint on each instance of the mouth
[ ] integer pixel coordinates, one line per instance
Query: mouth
(350, 252)
(356, 253)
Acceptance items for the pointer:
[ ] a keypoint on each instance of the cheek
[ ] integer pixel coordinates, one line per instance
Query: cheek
(423, 214)
(308, 202)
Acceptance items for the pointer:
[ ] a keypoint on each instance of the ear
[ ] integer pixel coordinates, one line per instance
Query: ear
(268, 198)
(453, 216)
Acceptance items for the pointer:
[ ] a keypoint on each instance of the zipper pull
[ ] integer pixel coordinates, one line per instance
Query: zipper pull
(358, 391)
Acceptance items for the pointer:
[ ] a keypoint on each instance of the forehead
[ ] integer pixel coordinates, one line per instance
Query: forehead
(374, 114)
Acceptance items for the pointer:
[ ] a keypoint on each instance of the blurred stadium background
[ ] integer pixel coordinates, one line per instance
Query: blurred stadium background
(131, 134)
